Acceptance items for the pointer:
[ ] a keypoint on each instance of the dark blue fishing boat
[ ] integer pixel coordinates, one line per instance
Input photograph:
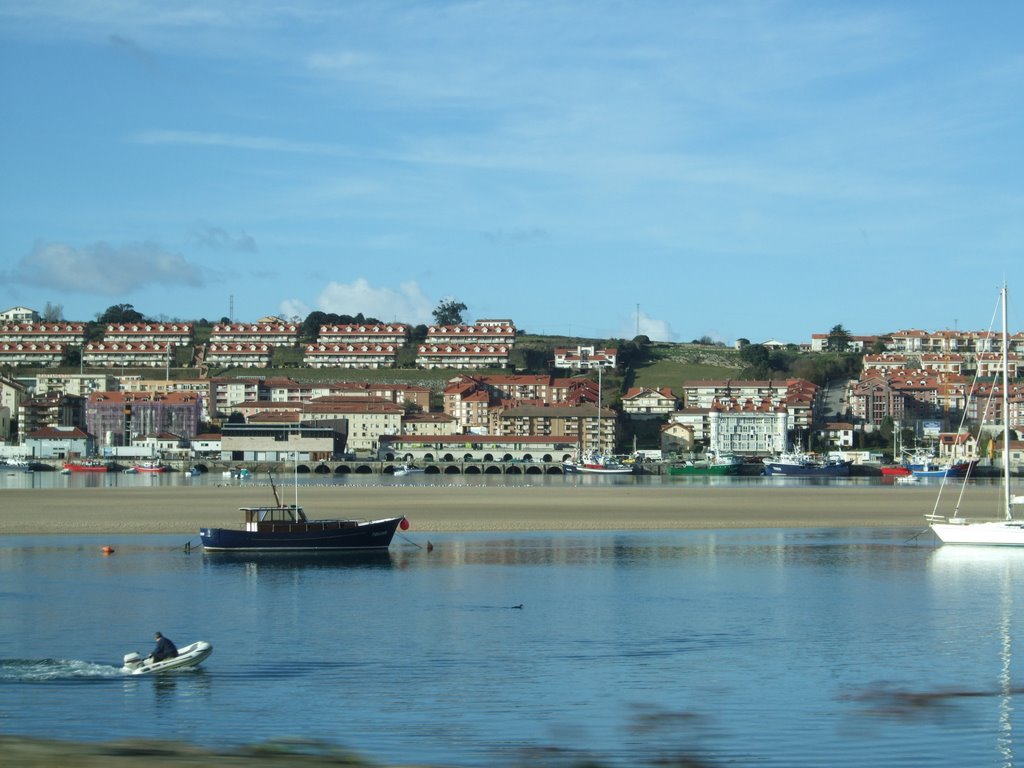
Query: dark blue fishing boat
(285, 527)
(798, 463)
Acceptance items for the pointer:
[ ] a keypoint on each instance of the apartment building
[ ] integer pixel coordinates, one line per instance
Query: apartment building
(906, 395)
(159, 334)
(239, 354)
(54, 409)
(798, 396)
(486, 343)
(465, 355)
(127, 354)
(917, 342)
(469, 399)
(359, 354)
(428, 424)
(888, 361)
(746, 428)
(67, 334)
(582, 425)
(117, 418)
(393, 334)
(589, 357)
(37, 353)
(647, 403)
(367, 419)
(11, 395)
(275, 334)
(943, 362)
(81, 384)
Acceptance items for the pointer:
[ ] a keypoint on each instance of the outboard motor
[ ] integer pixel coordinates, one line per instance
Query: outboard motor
(132, 661)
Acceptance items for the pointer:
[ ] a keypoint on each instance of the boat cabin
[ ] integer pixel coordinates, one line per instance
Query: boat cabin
(284, 514)
(287, 518)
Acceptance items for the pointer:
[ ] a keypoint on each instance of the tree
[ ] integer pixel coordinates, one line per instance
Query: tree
(53, 312)
(755, 355)
(449, 312)
(310, 330)
(120, 313)
(838, 339)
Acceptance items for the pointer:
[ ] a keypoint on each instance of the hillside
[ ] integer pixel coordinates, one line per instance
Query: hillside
(663, 365)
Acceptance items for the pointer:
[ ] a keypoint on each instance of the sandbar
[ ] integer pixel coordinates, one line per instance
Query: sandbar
(157, 510)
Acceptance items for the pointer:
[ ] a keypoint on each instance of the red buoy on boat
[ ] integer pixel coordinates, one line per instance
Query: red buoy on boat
(108, 550)
(404, 525)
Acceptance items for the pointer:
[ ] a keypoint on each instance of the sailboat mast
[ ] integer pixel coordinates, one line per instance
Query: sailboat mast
(1006, 412)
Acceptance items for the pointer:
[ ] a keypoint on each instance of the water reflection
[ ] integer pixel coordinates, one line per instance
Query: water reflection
(213, 479)
(254, 562)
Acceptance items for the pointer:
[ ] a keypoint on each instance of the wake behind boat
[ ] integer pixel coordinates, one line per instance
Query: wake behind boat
(190, 656)
(285, 528)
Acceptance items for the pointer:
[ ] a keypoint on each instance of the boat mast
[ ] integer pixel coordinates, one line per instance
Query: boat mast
(1006, 414)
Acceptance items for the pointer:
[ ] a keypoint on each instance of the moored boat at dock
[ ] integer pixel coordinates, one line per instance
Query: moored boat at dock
(712, 465)
(798, 463)
(85, 465)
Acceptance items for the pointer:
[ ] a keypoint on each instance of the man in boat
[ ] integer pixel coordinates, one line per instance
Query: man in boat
(165, 649)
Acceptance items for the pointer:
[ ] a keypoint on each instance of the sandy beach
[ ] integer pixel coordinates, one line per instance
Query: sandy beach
(445, 509)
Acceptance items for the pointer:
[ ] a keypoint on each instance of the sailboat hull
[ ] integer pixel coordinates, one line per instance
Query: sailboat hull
(1008, 533)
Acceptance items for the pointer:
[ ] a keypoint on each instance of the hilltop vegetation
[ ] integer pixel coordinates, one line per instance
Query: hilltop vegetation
(642, 363)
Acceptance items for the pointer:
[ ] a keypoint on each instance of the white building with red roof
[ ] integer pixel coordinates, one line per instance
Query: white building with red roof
(39, 353)
(586, 357)
(276, 334)
(162, 334)
(354, 354)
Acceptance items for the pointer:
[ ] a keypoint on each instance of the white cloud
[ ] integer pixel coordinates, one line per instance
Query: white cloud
(655, 330)
(103, 269)
(405, 304)
(290, 308)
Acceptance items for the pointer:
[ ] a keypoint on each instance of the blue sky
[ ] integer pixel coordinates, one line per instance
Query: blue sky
(724, 169)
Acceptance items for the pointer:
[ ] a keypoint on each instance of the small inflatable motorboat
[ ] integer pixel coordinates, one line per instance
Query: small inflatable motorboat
(189, 656)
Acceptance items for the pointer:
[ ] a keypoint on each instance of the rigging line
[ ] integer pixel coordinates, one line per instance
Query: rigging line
(410, 541)
(914, 537)
(989, 334)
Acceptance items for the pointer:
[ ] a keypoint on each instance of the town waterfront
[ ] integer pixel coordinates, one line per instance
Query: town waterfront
(796, 647)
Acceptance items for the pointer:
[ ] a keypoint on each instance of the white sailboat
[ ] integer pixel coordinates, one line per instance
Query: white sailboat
(1008, 532)
(594, 461)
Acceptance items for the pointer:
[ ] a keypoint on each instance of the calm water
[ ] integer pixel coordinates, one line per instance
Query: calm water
(777, 648)
(18, 479)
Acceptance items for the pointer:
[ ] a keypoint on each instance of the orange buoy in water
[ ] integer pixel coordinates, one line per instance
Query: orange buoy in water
(108, 550)
(404, 525)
